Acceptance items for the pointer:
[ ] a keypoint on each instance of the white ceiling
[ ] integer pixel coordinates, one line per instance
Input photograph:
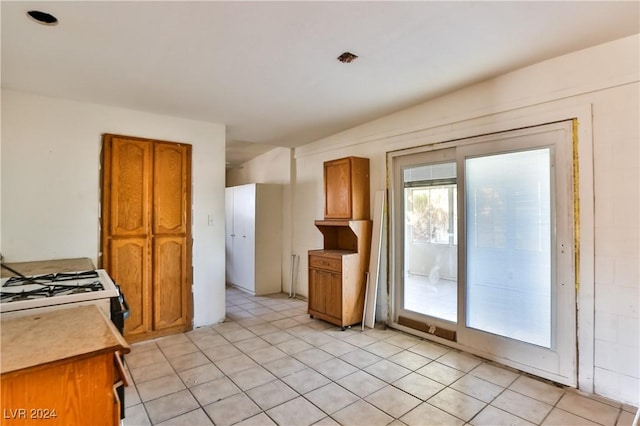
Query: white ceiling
(268, 70)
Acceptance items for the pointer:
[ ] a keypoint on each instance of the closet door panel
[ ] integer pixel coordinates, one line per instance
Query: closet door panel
(170, 282)
(170, 188)
(130, 269)
(130, 187)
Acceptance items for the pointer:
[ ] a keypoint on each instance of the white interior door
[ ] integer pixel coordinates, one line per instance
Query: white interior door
(509, 231)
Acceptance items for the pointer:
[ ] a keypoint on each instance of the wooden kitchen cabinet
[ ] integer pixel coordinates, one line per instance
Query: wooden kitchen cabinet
(337, 277)
(146, 231)
(346, 188)
(60, 368)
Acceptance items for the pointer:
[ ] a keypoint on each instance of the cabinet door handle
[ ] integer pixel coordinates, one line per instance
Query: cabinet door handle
(233, 235)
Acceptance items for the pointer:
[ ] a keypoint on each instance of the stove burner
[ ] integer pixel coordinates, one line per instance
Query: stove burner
(50, 278)
(49, 286)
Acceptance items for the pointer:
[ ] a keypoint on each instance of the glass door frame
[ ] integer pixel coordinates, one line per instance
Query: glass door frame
(462, 340)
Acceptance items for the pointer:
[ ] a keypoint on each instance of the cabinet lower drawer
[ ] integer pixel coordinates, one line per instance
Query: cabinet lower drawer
(328, 263)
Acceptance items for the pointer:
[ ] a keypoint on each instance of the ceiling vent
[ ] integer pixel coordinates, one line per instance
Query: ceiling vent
(42, 17)
(347, 57)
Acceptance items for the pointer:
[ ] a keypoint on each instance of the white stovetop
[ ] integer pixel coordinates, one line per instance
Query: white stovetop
(109, 291)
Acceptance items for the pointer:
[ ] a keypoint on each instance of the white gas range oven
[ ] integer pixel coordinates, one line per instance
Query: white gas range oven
(25, 295)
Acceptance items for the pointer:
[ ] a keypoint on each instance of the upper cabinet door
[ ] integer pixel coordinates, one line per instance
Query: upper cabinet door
(346, 188)
(171, 188)
(130, 187)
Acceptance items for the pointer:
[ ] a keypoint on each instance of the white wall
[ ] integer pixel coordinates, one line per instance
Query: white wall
(50, 184)
(274, 166)
(600, 87)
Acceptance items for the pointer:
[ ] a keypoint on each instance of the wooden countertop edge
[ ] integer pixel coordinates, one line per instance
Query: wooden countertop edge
(107, 340)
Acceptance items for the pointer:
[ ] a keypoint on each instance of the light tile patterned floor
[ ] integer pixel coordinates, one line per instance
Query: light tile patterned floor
(269, 363)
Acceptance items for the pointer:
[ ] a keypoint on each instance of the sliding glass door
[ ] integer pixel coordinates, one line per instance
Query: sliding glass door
(482, 247)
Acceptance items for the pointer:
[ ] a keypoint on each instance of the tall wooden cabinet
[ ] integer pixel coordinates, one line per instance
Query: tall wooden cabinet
(337, 277)
(254, 237)
(146, 231)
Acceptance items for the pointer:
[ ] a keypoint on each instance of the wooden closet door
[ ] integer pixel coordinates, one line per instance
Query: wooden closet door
(146, 232)
(171, 235)
(126, 231)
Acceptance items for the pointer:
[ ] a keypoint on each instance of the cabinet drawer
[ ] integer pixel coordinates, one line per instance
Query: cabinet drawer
(325, 263)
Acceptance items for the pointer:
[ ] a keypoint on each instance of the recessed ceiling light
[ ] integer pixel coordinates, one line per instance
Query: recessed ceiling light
(347, 57)
(43, 18)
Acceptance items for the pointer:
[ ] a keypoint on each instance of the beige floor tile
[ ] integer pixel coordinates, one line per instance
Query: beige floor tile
(494, 374)
(277, 337)
(361, 383)
(335, 368)
(305, 380)
(457, 404)
(327, 421)
(234, 364)
(426, 414)
(459, 361)
(319, 339)
(477, 388)
(284, 366)
(258, 420)
(188, 361)
(174, 339)
(429, 350)
(285, 323)
(297, 412)
(151, 372)
(238, 335)
(387, 371)
(293, 346)
(302, 330)
(360, 340)
(232, 410)
(403, 341)
(252, 377)
(170, 406)
(214, 390)
(383, 349)
(261, 312)
(251, 344)
(211, 341)
(522, 406)
(226, 327)
(419, 386)
(393, 401)
(195, 417)
(131, 396)
(360, 358)
(410, 360)
(150, 356)
(338, 348)
(492, 416)
(202, 374)
(263, 328)
(331, 398)
(537, 389)
(265, 355)
(559, 417)
(159, 387)
(625, 418)
(221, 352)
(588, 408)
(143, 346)
(440, 373)
(136, 416)
(313, 356)
(179, 349)
(381, 333)
(271, 316)
(271, 394)
(362, 413)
